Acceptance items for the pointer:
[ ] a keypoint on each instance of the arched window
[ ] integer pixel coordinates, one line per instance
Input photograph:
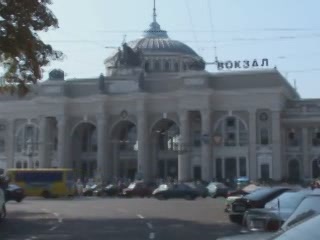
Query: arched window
(230, 132)
(176, 67)
(25, 164)
(315, 168)
(36, 164)
(157, 66)
(27, 139)
(184, 67)
(147, 66)
(18, 164)
(167, 66)
(264, 136)
(89, 138)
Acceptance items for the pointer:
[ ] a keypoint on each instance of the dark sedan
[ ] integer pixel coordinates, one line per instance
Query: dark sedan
(257, 199)
(275, 213)
(166, 191)
(200, 187)
(14, 193)
(109, 190)
(139, 189)
(217, 189)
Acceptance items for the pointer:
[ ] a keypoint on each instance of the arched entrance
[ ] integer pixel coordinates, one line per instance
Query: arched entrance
(124, 149)
(165, 134)
(315, 169)
(293, 170)
(84, 150)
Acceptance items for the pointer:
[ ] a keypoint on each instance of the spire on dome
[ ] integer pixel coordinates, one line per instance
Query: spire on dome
(154, 11)
(155, 29)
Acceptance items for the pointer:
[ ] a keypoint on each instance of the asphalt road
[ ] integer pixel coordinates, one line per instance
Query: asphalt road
(116, 219)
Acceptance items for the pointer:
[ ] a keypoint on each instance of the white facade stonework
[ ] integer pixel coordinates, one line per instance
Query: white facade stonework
(164, 117)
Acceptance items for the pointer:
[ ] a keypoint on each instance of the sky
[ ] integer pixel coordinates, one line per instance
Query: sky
(287, 32)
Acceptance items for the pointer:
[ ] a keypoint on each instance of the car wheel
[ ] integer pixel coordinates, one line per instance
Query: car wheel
(3, 212)
(46, 194)
(189, 197)
(19, 200)
(160, 197)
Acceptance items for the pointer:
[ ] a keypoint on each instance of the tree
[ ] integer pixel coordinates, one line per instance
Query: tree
(22, 52)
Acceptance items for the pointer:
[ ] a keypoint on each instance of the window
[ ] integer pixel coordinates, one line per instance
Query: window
(167, 66)
(18, 164)
(230, 122)
(243, 167)
(219, 169)
(293, 138)
(264, 136)
(147, 66)
(197, 139)
(157, 66)
(43, 176)
(25, 164)
(232, 132)
(176, 67)
(316, 138)
(27, 139)
(89, 139)
(184, 67)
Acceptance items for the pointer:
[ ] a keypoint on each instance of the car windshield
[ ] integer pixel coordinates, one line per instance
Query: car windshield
(289, 200)
(132, 185)
(307, 208)
(259, 194)
(308, 229)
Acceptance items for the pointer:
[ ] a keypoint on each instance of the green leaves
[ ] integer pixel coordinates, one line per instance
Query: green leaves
(22, 52)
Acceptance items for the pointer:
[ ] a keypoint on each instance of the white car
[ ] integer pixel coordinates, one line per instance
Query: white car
(3, 211)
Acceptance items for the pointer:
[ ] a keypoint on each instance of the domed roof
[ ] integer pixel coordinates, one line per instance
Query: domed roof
(156, 44)
(157, 40)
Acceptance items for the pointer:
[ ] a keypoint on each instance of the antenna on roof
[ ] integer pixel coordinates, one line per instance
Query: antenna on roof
(154, 11)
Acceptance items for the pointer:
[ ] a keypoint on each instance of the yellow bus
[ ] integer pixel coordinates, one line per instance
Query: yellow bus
(48, 182)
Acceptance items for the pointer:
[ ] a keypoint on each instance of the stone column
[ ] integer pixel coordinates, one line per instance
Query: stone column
(305, 157)
(44, 161)
(184, 165)
(206, 169)
(253, 171)
(103, 162)
(276, 145)
(143, 146)
(63, 143)
(10, 144)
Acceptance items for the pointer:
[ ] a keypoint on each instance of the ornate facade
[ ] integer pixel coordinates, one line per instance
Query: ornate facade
(158, 113)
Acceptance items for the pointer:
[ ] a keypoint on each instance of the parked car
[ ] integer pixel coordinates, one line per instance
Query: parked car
(89, 189)
(217, 189)
(200, 187)
(109, 190)
(275, 212)
(139, 189)
(3, 210)
(257, 199)
(239, 193)
(15, 193)
(166, 191)
(306, 215)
